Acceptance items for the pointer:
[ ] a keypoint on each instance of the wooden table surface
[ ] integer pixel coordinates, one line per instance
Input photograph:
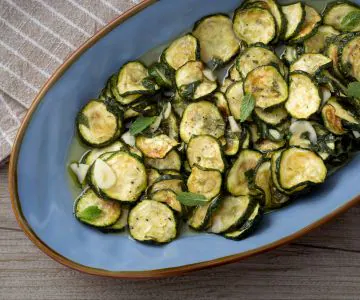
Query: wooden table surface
(324, 264)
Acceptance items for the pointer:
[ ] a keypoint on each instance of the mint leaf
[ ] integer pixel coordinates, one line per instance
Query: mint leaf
(191, 199)
(246, 107)
(351, 20)
(354, 89)
(140, 124)
(90, 213)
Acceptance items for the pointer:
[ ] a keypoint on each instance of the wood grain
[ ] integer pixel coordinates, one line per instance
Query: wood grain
(324, 264)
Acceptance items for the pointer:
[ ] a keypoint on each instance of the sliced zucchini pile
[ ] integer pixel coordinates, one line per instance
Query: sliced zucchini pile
(221, 127)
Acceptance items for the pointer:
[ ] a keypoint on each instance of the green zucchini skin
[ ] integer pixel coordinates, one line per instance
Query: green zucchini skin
(249, 226)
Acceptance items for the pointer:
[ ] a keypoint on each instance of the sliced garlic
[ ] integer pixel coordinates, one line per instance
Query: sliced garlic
(103, 175)
(80, 171)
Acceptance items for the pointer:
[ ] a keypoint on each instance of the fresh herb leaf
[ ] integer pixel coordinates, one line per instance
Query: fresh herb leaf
(354, 89)
(140, 124)
(191, 199)
(351, 20)
(247, 106)
(82, 119)
(162, 74)
(90, 213)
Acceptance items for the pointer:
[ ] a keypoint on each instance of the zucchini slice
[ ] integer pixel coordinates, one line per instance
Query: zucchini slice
(152, 222)
(311, 63)
(192, 82)
(134, 78)
(201, 215)
(181, 51)
(317, 42)
(238, 179)
(155, 147)
(309, 25)
(234, 95)
(256, 56)
(171, 161)
(218, 43)
(299, 167)
(332, 51)
(272, 116)
(205, 151)
(167, 182)
(95, 211)
(131, 179)
(295, 16)
(273, 198)
(152, 175)
(254, 25)
(304, 98)
(163, 75)
(201, 118)
(276, 12)
(349, 53)
(333, 115)
(94, 154)
(169, 197)
(222, 104)
(98, 124)
(205, 182)
(121, 223)
(249, 226)
(170, 126)
(231, 213)
(267, 145)
(336, 11)
(267, 86)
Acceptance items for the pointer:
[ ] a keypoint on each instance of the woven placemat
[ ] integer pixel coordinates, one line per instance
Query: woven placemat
(35, 38)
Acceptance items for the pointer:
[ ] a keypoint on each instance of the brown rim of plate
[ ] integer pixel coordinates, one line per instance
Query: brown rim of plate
(126, 274)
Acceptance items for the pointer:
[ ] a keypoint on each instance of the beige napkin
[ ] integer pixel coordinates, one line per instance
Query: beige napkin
(35, 38)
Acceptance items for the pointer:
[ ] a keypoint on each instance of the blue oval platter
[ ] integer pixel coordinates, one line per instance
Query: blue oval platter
(42, 194)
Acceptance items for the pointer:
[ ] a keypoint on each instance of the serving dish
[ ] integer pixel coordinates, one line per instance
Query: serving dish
(38, 179)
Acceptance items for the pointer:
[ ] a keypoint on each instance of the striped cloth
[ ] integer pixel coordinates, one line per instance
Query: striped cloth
(36, 36)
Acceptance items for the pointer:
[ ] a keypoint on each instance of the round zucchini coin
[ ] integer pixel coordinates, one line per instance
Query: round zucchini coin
(180, 51)
(311, 63)
(151, 221)
(131, 178)
(231, 213)
(304, 98)
(267, 86)
(336, 11)
(97, 124)
(218, 43)
(349, 56)
(205, 151)
(256, 56)
(298, 167)
(201, 118)
(201, 216)
(205, 182)
(295, 15)
(254, 25)
(121, 223)
(95, 211)
(309, 25)
(96, 153)
(235, 95)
